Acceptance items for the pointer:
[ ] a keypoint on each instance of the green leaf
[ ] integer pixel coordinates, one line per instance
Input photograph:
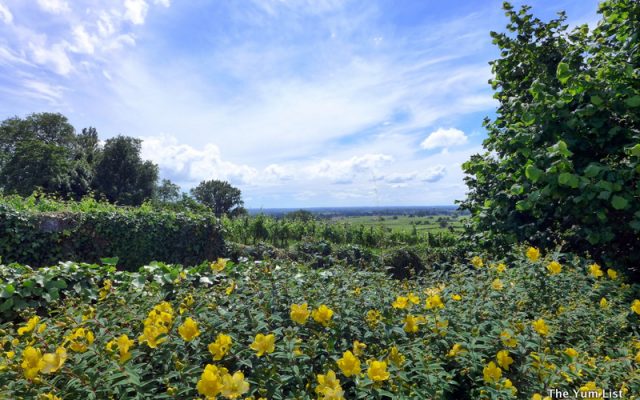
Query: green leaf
(7, 291)
(619, 202)
(562, 73)
(596, 100)
(532, 173)
(569, 179)
(592, 170)
(635, 150)
(633, 101)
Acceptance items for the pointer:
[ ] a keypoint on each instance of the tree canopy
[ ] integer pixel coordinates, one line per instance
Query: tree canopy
(562, 161)
(220, 196)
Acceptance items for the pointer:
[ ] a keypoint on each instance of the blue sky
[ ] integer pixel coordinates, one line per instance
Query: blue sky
(297, 102)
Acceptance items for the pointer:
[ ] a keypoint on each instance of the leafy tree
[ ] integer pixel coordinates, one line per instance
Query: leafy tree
(220, 196)
(35, 165)
(121, 175)
(562, 162)
(41, 152)
(167, 192)
(300, 215)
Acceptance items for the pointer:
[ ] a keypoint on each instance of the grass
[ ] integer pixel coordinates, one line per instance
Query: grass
(405, 222)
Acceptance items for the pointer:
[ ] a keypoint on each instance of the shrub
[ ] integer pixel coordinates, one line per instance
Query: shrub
(41, 234)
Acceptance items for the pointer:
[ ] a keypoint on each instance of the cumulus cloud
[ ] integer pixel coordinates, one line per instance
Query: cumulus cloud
(434, 174)
(184, 163)
(54, 6)
(136, 11)
(444, 138)
(345, 171)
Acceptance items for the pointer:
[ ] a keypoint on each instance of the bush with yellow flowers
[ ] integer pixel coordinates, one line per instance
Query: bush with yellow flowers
(487, 328)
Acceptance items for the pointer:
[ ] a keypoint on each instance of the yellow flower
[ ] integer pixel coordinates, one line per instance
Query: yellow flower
(612, 273)
(80, 339)
(400, 302)
(604, 303)
(571, 352)
(189, 330)
(124, 344)
(509, 385)
(507, 339)
(89, 313)
(51, 362)
(357, 291)
(589, 387)
(358, 348)
(538, 396)
(491, 373)
(373, 318)
(219, 265)
(504, 360)
(477, 262)
(31, 362)
(264, 344)
(329, 387)
(533, 254)
(501, 268)
(230, 288)
(186, 304)
(210, 383)
(234, 386)
(220, 347)
(456, 297)
(349, 364)
(396, 357)
(595, 271)
(49, 396)
(322, 315)
(413, 298)
(455, 350)
(635, 306)
(541, 327)
(30, 326)
(554, 268)
(299, 313)
(106, 289)
(637, 357)
(411, 324)
(377, 371)
(434, 301)
(497, 284)
(151, 336)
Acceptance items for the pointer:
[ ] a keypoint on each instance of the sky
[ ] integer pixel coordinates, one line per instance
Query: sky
(298, 103)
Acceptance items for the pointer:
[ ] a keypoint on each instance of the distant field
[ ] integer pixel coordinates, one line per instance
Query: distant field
(433, 223)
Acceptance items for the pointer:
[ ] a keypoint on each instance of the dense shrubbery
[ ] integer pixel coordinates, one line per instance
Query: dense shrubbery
(41, 231)
(482, 330)
(563, 154)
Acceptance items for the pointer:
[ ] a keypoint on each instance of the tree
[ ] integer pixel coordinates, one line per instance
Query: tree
(41, 152)
(167, 192)
(121, 175)
(562, 160)
(220, 196)
(35, 165)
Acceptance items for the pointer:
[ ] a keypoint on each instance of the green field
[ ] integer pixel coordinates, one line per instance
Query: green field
(432, 223)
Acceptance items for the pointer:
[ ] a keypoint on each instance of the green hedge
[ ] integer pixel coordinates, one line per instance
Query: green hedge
(43, 232)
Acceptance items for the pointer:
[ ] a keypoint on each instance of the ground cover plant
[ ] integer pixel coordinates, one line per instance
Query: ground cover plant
(491, 328)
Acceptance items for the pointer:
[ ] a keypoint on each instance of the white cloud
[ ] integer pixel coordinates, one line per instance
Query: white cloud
(165, 3)
(136, 11)
(345, 171)
(42, 90)
(55, 55)
(444, 138)
(54, 6)
(5, 14)
(434, 174)
(84, 43)
(184, 163)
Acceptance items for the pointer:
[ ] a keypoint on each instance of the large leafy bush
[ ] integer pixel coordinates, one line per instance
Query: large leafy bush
(40, 231)
(563, 154)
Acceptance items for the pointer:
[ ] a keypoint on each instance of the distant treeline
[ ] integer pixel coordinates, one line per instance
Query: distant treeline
(334, 212)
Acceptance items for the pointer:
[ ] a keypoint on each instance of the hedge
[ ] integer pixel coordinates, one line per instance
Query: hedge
(136, 236)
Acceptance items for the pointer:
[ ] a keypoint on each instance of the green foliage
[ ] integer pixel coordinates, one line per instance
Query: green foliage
(562, 164)
(121, 175)
(242, 300)
(40, 231)
(42, 152)
(167, 192)
(220, 197)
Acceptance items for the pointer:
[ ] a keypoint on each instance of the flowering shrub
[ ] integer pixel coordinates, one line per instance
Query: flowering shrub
(276, 330)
